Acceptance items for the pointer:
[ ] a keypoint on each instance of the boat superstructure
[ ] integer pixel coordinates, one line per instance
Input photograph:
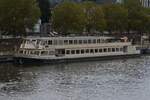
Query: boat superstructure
(67, 48)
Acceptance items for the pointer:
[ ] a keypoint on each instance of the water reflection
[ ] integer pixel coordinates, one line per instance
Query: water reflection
(15, 80)
(127, 79)
(8, 73)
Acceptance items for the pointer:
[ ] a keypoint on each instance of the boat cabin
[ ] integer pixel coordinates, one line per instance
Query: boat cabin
(63, 46)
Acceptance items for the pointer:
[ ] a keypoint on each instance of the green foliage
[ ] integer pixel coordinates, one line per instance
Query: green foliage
(147, 11)
(130, 16)
(94, 17)
(68, 17)
(18, 15)
(116, 17)
(132, 5)
(72, 17)
(147, 19)
(136, 15)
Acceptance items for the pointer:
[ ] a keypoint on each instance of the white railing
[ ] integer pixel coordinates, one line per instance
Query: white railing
(93, 45)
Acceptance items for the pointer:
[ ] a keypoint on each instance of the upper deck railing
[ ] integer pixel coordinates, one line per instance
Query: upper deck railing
(82, 41)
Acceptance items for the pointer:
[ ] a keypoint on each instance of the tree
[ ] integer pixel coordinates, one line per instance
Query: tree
(147, 21)
(94, 17)
(147, 11)
(116, 17)
(68, 17)
(18, 15)
(136, 16)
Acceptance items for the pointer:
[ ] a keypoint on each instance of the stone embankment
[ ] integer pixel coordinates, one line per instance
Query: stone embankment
(8, 48)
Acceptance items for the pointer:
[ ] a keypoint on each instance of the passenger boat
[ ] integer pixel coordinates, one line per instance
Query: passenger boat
(76, 48)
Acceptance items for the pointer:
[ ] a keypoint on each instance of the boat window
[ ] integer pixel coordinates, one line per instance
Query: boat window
(44, 52)
(70, 41)
(36, 52)
(94, 41)
(89, 41)
(33, 40)
(80, 41)
(98, 41)
(77, 51)
(32, 52)
(75, 42)
(105, 50)
(109, 49)
(60, 52)
(46, 46)
(21, 51)
(25, 52)
(113, 49)
(121, 49)
(72, 51)
(85, 41)
(96, 50)
(50, 42)
(68, 52)
(100, 50)
(117, 49)
(65, 41)
(125, 49)
(91, 51)
(87, 50)
(82, 51)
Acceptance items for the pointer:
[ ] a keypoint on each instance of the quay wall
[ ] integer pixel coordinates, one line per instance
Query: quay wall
(8, 47)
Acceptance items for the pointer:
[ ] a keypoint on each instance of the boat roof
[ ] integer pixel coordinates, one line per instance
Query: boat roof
(68, 37)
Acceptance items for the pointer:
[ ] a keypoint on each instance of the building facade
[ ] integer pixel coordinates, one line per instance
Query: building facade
(145, 3)
(119, 1)
(54, 2)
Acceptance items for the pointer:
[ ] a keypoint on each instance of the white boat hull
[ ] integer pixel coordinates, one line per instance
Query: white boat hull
(32, 60)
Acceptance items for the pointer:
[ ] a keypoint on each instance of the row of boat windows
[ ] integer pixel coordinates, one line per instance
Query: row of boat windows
(62, 52)
(28, 52)
(83, 51)
(68, 42)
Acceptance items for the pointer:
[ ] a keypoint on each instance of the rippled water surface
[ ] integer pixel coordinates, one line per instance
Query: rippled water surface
(126, 79)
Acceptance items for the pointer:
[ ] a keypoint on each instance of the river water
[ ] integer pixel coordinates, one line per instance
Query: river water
(125, 79)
